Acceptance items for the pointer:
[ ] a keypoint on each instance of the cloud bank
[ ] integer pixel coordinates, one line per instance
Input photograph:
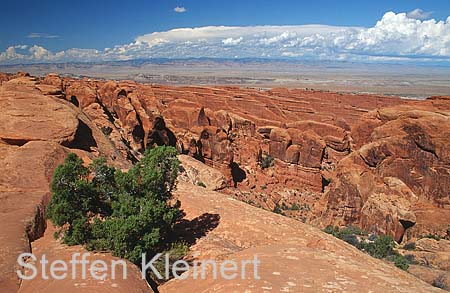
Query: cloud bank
(397, 37)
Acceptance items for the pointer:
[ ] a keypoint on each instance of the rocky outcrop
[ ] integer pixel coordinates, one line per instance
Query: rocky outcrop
(199, 174)
(30, 116)
(390, 184)
(37, 132)
(381, 163)
(79, 92)
(376, 162)
(432, 253)
(24, 194)
(431, 261)
(280, 140)
(294, 257)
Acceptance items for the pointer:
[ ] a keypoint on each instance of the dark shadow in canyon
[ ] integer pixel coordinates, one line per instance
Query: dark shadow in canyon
(237, 173)
(84, 139)
(74, 101)
(161, 135)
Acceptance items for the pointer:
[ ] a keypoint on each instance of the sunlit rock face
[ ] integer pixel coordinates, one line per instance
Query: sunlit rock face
(380, 163)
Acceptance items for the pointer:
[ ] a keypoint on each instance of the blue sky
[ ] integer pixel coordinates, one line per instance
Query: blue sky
(57, 26)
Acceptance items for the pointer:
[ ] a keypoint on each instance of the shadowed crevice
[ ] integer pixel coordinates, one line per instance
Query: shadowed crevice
(84, 139)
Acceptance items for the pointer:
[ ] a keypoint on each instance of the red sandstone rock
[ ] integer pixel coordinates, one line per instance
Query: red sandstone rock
(28, 115)
(197, 173)
(80, 93)
(382, 187)
(387, 167)
(280, 140)
(294, 256)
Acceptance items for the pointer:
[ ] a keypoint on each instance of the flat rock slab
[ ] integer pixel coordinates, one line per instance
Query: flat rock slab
(29, 115)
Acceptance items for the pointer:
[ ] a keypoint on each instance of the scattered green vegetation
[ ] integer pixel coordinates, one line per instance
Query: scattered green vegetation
(277, 210)
(176, 252)
(201, 184)
(339, 233)
(378, 246)
(400, 261)
(263, 187)
(295, 207)
(266, 161)
(106, 209)
(439, 282)
(409, 246)
(411, 259)
(430, 236)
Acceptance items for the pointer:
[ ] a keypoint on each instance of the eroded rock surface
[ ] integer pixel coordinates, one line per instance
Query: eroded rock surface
(398, 182)
(380, 163)
(294, 257)
(37, 131)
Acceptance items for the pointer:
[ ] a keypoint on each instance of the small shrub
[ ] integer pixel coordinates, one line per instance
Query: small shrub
(351, 239)
(439, 282)
(266, 161)
(409, 246)
(176, 251)
(295, 207)
(372, 237)
(401, 262)
(352, 230)
(201, 184)
(382, 247)
(263, 187)
(277, 210)
(332, 230)
(410, 258)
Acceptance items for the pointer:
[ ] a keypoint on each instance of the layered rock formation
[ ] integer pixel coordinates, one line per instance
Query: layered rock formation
(399, 178)
(432, 261)
(377, 162)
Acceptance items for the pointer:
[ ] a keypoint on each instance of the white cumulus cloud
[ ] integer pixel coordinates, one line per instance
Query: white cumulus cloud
(396, 36)
(179, 9)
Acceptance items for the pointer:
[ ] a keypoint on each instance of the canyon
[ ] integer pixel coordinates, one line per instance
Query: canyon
(320, 158)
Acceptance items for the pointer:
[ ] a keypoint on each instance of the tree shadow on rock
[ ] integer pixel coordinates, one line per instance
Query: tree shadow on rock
(190, 231)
